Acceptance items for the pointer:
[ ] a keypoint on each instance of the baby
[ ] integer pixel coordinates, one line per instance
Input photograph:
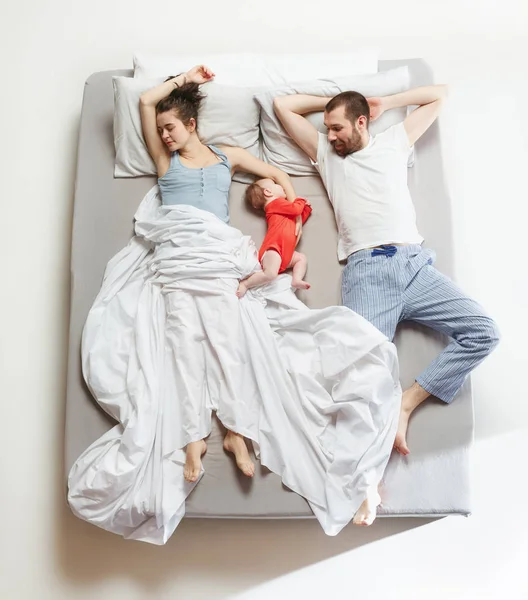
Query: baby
(277, 252)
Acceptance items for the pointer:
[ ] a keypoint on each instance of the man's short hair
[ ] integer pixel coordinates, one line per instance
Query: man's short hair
(355, 104)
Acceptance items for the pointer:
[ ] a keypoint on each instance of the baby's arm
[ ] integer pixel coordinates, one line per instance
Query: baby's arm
(306, 212)
(291, 209)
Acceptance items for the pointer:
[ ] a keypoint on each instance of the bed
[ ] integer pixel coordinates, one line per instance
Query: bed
(432, 481)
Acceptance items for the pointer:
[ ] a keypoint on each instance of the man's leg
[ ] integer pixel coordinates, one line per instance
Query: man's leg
(432, 299)
(372, 286)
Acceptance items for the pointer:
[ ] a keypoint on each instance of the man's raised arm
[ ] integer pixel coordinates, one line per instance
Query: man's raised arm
(429, 99)
(290, 110)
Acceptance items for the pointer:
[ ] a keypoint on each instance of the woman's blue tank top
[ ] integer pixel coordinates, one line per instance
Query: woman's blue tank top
(206, 188)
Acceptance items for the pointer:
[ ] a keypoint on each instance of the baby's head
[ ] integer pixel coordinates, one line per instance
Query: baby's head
(261, 192)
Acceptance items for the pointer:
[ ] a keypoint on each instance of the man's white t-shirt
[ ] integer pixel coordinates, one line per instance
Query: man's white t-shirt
(369, 192)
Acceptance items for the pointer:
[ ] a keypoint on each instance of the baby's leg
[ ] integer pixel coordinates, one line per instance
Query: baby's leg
(271, 262)
(299, 264)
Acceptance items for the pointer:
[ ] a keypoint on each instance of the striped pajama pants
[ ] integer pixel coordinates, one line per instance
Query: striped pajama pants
(402, 285)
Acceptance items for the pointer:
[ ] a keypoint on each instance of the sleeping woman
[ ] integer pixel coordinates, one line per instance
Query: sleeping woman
(193, 173)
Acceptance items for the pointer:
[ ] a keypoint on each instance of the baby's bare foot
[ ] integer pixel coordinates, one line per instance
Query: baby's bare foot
(242, 289)
(235, 443)
(193, 460)
(301, 285)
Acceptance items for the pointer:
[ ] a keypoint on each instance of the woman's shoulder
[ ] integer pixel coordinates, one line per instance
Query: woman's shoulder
(223, 149)
(227, 152)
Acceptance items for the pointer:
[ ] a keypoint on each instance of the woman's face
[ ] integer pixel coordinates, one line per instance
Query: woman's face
(172, 131)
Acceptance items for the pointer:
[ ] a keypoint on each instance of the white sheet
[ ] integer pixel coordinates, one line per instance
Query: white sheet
(167, 341)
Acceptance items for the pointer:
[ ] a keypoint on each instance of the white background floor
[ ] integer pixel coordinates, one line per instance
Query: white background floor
(48, 50)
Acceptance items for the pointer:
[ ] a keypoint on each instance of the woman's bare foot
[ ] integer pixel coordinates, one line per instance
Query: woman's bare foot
(235, 443)
(300, 285)
(193, 460)
(242, 289)
(366, 513)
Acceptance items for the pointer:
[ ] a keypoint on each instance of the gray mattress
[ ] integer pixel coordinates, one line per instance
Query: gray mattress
(433, 480)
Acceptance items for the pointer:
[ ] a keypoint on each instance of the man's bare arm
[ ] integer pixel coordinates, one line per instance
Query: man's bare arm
(290, 111)
(429, 99)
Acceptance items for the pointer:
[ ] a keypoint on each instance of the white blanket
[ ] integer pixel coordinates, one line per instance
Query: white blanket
(167, 342)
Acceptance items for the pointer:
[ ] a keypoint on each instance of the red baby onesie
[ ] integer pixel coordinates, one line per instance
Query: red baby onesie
(281, 216)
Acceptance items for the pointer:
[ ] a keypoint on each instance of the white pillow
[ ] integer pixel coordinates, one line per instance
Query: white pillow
(247, 69)
(230, 69)
(281, 151)
(229, 115)
(132, 158)
(285, 68)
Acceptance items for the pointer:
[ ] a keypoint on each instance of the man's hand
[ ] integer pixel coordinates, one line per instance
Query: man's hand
(377, 108)
(428, 98)
(199, 74)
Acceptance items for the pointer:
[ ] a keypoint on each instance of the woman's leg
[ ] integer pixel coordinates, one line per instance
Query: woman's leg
(236, 444)
(191, 393)
(193, 460)
(271, 262)
(230, 382)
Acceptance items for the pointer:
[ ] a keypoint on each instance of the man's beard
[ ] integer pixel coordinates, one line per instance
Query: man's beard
(353, 144)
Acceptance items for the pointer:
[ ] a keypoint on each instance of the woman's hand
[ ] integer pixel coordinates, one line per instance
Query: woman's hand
(199, 74)
(377, 108)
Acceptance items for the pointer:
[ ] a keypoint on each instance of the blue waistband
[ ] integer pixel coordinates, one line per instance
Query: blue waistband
(387, 250)
(384, 250)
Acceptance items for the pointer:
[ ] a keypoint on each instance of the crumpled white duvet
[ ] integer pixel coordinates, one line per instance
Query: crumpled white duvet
(167, 342)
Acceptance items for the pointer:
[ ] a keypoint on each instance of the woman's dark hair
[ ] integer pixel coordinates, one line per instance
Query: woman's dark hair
(185, 100)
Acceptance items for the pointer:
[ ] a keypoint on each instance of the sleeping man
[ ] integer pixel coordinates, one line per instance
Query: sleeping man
(389, 277)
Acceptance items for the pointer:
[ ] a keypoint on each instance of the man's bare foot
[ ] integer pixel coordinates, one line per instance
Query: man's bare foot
(242, 289)
(400, 442)
(366, 513)
(235, 443)
(301, 285)
(411, 399)
(193, 460)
